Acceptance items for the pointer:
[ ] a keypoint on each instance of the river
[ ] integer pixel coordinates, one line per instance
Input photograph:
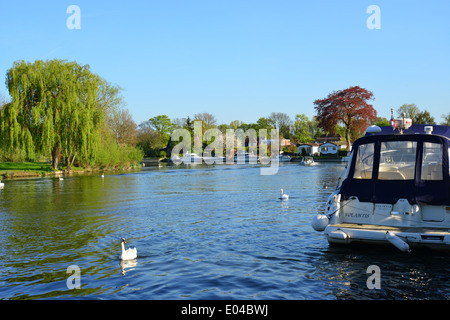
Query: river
(202, 232)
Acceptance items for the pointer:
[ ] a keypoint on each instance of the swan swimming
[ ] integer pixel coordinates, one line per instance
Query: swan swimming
(61, 178)
(129, 254)
(1, 184)
(283, 196)
(103, 175)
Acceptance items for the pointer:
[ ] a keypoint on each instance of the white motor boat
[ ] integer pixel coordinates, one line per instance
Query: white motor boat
(284, 158)
(245, 158)
(308, 161)
(395, 190)
(191, 158)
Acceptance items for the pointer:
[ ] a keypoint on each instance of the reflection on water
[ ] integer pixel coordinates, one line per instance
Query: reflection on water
(128, 265)
(216, 232)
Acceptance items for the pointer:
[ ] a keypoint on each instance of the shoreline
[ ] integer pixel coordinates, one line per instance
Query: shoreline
(21, 174)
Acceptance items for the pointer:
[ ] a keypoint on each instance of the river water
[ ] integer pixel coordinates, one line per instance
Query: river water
(202, 232)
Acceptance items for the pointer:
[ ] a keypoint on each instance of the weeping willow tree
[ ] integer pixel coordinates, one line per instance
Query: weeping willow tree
(54, 111)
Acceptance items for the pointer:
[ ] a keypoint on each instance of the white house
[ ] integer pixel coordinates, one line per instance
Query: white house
(331, 147)
(310, 148)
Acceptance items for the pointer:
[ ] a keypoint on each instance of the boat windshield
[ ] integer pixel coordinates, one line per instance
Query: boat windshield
(364, 162)
(432, 162)
(397, 160)
(386, 168)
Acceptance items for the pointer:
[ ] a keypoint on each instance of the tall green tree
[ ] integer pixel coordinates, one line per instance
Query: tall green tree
(235, 124)
(161, 124)
(265, 123)
(424, 117)
(301, 128)
(53, 110)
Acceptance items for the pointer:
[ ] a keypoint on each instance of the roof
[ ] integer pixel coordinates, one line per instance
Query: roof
(308, 144)
(327, 138)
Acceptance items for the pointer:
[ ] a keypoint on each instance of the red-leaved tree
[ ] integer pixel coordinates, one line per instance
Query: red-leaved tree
(348, 107)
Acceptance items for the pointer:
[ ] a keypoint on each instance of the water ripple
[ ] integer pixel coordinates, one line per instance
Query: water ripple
(202, 233)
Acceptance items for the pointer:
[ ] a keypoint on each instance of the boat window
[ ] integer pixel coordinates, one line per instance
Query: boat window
(397, 160)
(364, 162)
(432, 162)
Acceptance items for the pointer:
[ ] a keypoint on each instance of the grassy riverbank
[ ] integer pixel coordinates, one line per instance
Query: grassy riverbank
(24, 169)
(10, 170)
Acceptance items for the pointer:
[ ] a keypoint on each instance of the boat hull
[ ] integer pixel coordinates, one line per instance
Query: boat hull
(414, 237)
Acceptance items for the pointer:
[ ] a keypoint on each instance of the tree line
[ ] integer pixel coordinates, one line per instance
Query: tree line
(62, 111)
(346, 113)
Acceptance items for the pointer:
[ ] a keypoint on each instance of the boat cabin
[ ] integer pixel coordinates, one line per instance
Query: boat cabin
(395, 189)
(386, 167)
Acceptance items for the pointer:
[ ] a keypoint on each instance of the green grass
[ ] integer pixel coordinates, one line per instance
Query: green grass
(29, 169)
(25, 166)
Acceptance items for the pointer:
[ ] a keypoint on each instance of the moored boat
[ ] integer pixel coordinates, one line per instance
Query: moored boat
(308, 161)
(191, 158)
(394, 190)
(245, 158)
(284, 158)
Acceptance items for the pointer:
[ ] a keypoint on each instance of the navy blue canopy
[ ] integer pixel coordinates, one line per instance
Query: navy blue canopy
(416, 190)
(417, 129)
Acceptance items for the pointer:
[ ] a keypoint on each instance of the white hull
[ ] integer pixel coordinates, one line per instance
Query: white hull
(413, 237)
(401, 225)
(308, 161)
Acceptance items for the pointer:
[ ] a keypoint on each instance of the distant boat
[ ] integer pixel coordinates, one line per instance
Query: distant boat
(284, 158)
(191, 158)
(308, 161)
(245, 157)
(281, 158)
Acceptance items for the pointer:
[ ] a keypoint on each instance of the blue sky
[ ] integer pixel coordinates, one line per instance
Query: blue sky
(242, 59)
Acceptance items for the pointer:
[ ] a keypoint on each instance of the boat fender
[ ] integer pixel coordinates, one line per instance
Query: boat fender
(338, 235)
(397, 242)
(320, 222)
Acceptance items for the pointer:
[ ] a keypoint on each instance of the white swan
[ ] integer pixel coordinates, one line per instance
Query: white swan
(1, 184)
(283, 196)
(61, 178)
(129, 254)
(103, 175)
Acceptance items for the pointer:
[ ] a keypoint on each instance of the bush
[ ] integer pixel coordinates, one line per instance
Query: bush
(342, 152)
(304, 152)
(111, 154)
